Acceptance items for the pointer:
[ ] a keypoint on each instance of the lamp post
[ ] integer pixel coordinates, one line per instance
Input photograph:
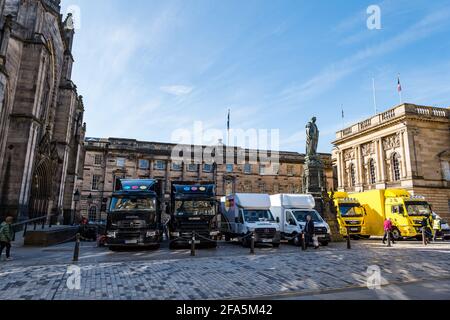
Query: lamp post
(76, 199)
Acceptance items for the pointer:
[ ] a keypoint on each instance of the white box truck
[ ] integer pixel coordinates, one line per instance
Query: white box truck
(291, 211)
(247, 213)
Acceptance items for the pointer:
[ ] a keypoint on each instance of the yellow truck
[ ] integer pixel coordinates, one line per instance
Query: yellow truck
(405, 211)
(350, 215)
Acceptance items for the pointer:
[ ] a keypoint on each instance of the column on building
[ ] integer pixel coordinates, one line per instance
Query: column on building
(381, 159)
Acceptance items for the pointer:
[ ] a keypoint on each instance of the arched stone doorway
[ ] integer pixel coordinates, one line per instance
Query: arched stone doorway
(41, 191)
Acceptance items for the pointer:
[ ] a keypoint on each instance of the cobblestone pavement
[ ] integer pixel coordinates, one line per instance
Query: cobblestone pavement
(227, 273)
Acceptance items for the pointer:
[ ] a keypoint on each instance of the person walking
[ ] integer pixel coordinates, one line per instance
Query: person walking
(309, 231)
(388, 231)
(437, 227)
(6, 237)
(427, 230)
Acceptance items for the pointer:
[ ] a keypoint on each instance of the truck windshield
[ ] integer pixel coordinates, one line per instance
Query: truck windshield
(258, 215)
(418, 208)
(301, 215)
(195, 208)
(351, 210)
(125, 204)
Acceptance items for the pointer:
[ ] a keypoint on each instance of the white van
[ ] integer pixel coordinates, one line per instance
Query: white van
(291, 211)
(247, 213)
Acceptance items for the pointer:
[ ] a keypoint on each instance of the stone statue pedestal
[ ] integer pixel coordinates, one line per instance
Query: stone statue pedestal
(315, 184)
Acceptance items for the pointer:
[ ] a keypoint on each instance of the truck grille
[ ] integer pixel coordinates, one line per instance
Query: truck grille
(267, 233)
(353, 222)
(132, 224)
(320, 230)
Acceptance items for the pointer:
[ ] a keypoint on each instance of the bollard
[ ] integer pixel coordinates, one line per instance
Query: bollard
(193, 244)
(76, 252)
(349, 243)
(389, 239)
(304, 246)
(424, 238)
(252, 244)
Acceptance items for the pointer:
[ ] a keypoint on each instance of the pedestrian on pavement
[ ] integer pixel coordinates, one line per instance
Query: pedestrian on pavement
(437, 227)
(6, 237)
(426, 227)
(309, 231)
(388, 227)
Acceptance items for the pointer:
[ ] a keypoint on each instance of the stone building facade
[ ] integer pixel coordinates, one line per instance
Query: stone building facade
(41, 113)
(405, 147)
(109, 159)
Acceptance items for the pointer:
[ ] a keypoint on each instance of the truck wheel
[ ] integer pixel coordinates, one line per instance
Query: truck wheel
(227, 238)
(276, 245)
(396, 235)
(112, 248)
(324, 243)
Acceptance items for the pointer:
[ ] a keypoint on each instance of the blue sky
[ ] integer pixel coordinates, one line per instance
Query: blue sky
(149, 67)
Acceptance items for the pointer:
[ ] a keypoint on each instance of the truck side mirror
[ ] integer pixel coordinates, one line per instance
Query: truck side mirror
(167, 209)
(278, 219)
(236, 220)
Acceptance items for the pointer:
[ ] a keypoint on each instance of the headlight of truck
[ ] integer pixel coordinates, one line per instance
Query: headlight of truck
(175, 234)
(111, 234)
(251, 229)
(214, 233)
(151, 234)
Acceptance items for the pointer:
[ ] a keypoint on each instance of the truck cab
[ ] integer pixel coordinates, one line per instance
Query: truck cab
(350, 215)
(193, 209)
(291, 210)
(245, 214)
(134, 215)
(406, 213)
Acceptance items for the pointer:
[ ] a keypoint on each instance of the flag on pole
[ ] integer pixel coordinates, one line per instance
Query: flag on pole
(343, 113)
(399, 86)
(229, 118)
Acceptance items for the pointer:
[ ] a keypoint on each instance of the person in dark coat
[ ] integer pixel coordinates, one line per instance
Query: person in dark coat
(309, 230)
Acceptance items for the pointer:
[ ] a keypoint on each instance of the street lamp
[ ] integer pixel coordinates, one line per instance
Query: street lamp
(76, 199)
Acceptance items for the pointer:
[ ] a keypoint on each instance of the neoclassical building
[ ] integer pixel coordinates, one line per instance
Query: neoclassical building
(109, 159)
(405, 147)
(41, 113)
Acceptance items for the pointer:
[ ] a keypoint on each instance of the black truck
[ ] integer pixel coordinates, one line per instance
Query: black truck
(193, 209)
(134, 215)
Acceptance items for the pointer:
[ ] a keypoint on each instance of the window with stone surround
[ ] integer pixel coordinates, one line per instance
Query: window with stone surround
(177, 166)
(352, 175)
(290, 170)
(144, 164)
(247, 168)
(120, 162)
(207, 168)
(395, 163)
(95, 182)
(372, 172)
(92, 215)
(160, 165)
(98, 159)
(192, 167)
(230, 168)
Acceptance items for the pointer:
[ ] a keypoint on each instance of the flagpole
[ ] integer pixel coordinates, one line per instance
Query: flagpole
(374, 96)
(228, 127)
(343, 117)
(400, 89)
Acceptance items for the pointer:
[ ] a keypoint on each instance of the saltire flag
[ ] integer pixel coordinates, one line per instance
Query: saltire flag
(399, 86)
(343, 114)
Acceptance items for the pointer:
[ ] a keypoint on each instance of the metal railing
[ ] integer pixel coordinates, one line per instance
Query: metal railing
(35, 222)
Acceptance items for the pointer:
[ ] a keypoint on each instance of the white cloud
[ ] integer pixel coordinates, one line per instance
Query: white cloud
(177, 90)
